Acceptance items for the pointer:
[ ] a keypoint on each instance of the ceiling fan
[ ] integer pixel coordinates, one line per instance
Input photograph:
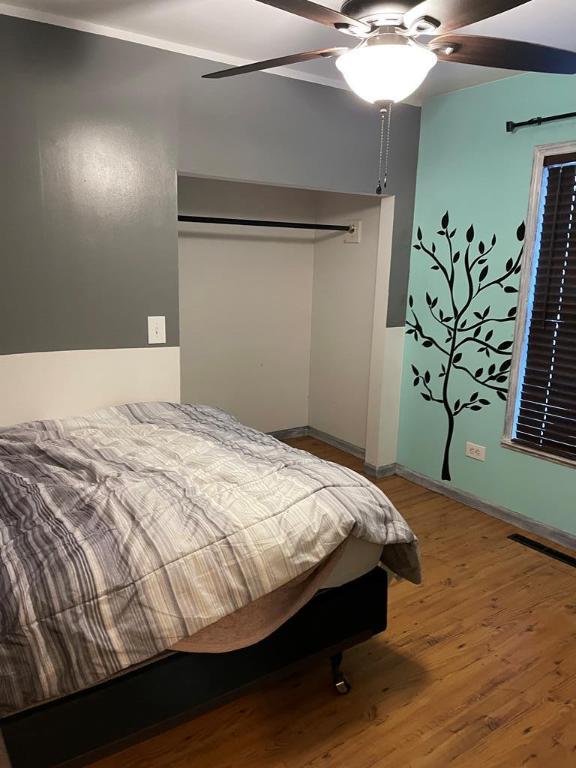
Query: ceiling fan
(389, 64)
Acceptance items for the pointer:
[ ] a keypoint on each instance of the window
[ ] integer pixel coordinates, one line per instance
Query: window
(541, 414)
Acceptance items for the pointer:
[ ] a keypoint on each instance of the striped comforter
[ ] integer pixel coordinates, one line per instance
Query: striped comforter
(126, 530)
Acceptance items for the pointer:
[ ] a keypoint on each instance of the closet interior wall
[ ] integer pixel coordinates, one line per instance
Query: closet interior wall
(342, 318)
(276, 325)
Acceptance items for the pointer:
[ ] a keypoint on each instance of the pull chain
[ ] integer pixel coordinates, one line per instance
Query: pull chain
(385, 118)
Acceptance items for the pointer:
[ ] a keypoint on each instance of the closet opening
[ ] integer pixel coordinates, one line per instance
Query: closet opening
(283, 303)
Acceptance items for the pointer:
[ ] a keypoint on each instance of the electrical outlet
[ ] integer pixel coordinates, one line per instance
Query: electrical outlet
(354, 236)
(477, 452)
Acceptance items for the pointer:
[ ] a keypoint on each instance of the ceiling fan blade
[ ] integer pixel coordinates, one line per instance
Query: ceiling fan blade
(453, 14)
(324, 53)
(505, 54)
(319, 13)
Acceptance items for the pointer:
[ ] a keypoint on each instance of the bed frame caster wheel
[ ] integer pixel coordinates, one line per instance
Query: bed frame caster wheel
(341, 684)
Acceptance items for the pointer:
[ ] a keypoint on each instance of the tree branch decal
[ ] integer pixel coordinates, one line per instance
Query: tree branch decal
(463, 328)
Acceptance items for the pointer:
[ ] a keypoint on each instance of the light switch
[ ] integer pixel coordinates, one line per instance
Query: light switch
(157, 330)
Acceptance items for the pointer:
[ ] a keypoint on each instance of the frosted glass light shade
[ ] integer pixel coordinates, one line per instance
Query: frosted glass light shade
(386, 72)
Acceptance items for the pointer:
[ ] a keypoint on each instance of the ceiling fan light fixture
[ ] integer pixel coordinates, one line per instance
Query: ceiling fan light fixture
(386, 69)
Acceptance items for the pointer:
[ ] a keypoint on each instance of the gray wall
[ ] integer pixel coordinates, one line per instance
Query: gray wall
(92, 135)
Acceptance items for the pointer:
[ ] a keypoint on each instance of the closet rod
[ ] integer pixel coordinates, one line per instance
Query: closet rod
(260, 223)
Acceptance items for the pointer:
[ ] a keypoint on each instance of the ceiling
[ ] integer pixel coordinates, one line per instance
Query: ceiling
(239, 31)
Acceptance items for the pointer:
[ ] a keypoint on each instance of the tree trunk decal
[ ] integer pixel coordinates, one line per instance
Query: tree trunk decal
(464, 325)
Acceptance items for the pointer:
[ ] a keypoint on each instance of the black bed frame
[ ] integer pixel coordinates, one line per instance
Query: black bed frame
(79, 729)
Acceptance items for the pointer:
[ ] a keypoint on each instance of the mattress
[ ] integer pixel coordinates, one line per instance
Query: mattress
(359, 557)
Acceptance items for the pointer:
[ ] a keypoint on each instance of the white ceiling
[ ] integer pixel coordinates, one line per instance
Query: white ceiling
(239, 31)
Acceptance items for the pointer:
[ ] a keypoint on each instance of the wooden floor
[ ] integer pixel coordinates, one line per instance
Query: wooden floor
(477, 668)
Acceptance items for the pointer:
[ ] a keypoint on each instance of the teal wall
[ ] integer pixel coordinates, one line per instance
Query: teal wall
(471, 167)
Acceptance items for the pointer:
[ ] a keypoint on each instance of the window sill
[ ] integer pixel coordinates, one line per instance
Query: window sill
(506, 442)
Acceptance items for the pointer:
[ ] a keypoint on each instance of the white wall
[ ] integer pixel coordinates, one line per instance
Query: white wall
(54, 385)
(246, 303)
(342, 319)
(385, 359)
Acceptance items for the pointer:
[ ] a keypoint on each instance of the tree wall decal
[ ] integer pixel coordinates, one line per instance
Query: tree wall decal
(464, 327)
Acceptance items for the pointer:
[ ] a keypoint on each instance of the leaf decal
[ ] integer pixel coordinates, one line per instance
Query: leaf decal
(445, 220)
(470, 234)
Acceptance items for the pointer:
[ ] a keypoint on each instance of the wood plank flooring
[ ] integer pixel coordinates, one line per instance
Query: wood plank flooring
(477, 668)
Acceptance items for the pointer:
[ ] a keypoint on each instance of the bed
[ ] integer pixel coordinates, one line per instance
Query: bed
(156, 557)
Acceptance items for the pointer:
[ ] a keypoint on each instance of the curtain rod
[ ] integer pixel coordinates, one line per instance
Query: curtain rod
(260, 223)
(512, 126)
